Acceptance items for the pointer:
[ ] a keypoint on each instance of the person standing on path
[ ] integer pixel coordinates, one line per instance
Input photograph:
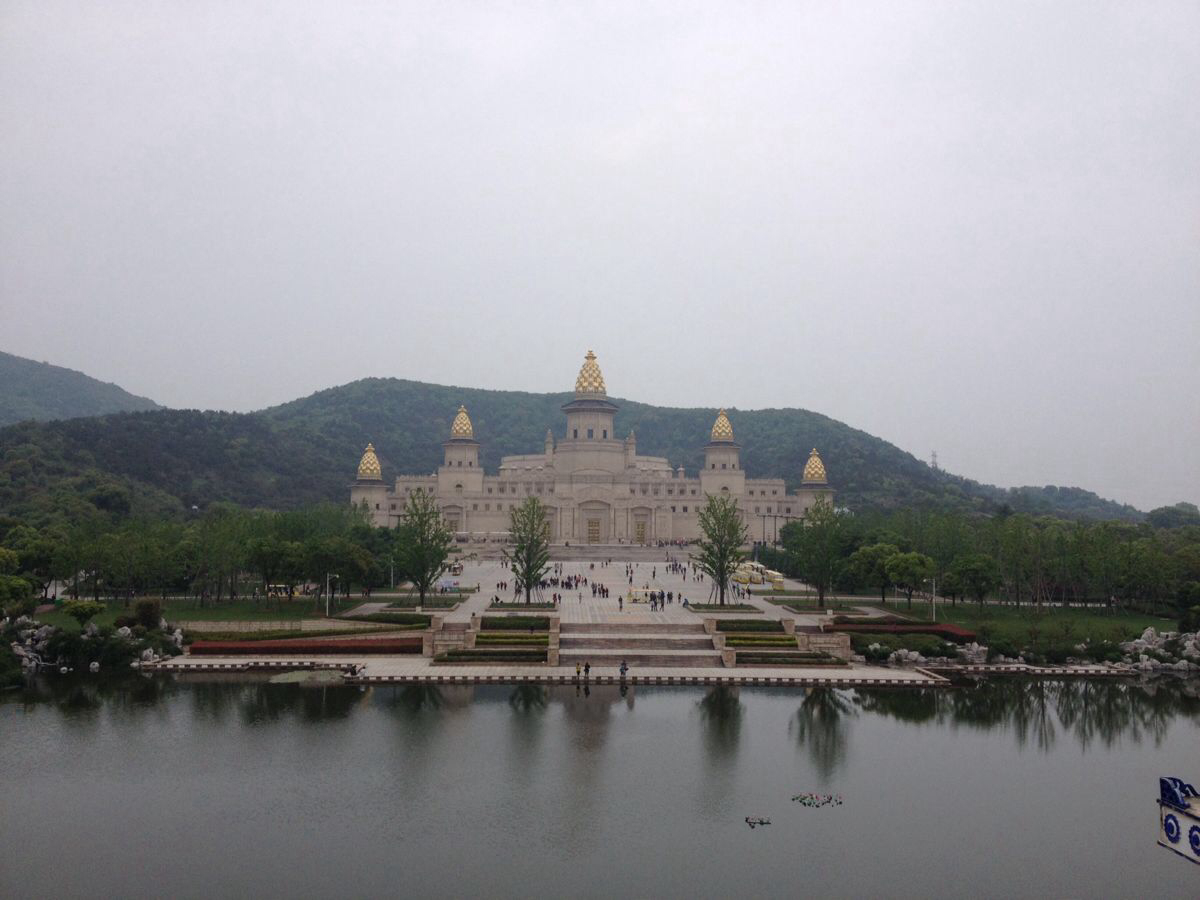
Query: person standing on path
(576, 671)
(624, 669)
(587, 670)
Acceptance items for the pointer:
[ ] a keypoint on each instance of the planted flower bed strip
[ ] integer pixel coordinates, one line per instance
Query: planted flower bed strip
(340, 647)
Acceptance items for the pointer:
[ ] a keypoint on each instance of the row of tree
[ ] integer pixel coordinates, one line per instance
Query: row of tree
(226, 553)
(1017, 558)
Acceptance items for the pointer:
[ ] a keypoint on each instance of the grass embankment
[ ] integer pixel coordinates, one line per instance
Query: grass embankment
(1008, 623)
(1049, 634)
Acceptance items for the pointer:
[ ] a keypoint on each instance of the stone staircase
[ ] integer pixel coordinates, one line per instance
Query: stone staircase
(676, 646)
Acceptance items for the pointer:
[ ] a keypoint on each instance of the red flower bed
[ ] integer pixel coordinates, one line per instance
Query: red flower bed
(955, 633)
(306, 646)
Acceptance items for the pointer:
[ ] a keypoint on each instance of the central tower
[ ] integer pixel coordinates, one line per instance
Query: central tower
(590, 414)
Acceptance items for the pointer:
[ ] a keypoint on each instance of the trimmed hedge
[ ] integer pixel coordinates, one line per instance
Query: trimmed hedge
(769, 625)
(307, 647)
(491, 655)
(728, 607)
(433, 601)
(190, 636)
(418, 620)
(955, 633)
(515, 606)
(512, 637)
(788, 659)
(765, 640)
(515, 623)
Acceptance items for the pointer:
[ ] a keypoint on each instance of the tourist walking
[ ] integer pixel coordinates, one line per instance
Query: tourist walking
(624, 669)
(587, 670)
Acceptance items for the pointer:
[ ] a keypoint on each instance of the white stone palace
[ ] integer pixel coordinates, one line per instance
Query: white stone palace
(597, 489)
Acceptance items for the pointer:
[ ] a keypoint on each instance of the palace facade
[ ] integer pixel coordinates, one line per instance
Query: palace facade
(596, 487)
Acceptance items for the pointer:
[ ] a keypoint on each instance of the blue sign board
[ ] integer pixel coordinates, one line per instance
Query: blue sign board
(1179, 818)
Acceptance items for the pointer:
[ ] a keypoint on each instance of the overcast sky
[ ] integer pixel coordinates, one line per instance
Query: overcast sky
(971, 227)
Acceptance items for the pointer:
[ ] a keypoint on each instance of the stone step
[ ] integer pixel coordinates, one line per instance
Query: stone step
(635, 643)
(660, 658)
(630, 628)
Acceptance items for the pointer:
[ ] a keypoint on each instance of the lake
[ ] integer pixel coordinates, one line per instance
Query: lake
(158, 787)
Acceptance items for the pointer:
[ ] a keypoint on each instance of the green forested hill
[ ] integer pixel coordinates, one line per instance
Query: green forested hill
(307, 451)
(38, 390)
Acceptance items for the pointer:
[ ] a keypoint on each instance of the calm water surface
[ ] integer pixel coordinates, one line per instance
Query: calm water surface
(188, 789)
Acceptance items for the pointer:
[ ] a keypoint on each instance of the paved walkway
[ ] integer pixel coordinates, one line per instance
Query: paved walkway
(580, 606)
(390, 669)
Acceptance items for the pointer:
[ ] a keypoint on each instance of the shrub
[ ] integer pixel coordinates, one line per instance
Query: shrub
(1190, 620)
(1104, 651)
(22, 607)
(148, 612)
(1002, 648)
(749, 625)
(82, 610)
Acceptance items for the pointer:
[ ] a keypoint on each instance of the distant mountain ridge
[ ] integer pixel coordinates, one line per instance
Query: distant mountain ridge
(306, 451)
(44, 392)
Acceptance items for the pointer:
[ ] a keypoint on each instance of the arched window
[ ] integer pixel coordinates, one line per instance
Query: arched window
(458, 489)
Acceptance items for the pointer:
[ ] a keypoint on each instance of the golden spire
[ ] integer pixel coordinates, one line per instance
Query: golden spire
(368, 466)
(590, 381)
(722, 430)
(814, 469)
(462, 425)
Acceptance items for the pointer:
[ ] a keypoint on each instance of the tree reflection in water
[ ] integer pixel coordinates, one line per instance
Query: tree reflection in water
(527, 698)
(722, 711)
(1034, 709)
(819, 726)
(415, 697)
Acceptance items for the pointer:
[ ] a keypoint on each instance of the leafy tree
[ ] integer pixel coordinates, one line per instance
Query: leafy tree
(82, 610)
(817, 545)
(909, 571)
(10, 561)
(1174, 516)
(720, 546)
(869, 563)
(265, 553)
(530, 553)
(977, 574)
(423, 542)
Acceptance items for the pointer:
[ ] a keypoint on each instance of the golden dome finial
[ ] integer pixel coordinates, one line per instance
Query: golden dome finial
(462, 427)
(814, 469)
(722, 429)
(590, 381)
(368, 467)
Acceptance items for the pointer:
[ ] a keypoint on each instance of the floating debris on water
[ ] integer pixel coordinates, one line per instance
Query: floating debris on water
(753, 821)
(815, 801)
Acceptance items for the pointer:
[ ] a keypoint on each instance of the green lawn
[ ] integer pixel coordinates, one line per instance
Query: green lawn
(1021, 626)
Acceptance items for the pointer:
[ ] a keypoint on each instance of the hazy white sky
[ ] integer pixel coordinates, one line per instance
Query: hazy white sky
(969, 226)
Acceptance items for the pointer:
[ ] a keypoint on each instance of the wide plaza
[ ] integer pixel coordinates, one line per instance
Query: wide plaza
(579, 606)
